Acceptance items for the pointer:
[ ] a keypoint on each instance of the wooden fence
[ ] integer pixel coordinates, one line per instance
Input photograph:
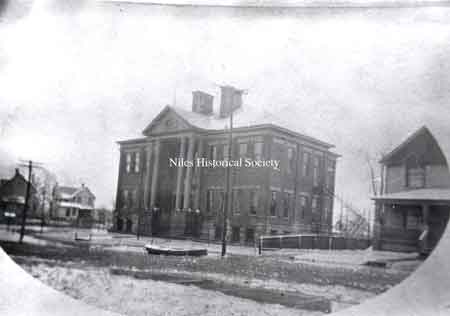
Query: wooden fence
(312, 241)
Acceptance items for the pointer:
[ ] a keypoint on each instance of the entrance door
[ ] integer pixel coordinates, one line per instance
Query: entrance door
(165, 198)
(437, 222)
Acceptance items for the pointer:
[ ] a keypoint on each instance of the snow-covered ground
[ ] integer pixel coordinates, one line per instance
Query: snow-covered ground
(129, 296)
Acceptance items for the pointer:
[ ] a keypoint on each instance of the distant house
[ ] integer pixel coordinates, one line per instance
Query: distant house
(12, 197)
(73, 204)
(413, 210)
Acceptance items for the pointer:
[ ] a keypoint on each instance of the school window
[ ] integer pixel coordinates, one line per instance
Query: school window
(314, 204)
(273, 203)
(330, 174)
(258, 148)
(243, 150)
(209, 200)
(286, 204)
(133, 198)
(250, 235)
(125, 198)
(213, 152)
(137, 162)
(128, 162)
(236, 196)
(236, 234)
(253, 201)
(301, 207)
(226, 155)
(316, 171)
(291, 160)
(305, 163)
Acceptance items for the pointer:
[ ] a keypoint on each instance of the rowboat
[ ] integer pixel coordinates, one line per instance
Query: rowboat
(169, 251)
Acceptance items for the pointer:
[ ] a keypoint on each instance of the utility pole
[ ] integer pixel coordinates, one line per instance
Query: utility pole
(27, 198)
(228, 185)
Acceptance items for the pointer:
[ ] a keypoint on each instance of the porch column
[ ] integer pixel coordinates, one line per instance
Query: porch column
(180, 174)
(155, 173)
(198, 176)
(425, 216)
(147, 176)
(188, 178)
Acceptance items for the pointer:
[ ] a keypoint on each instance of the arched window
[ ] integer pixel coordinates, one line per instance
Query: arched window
(415, 173)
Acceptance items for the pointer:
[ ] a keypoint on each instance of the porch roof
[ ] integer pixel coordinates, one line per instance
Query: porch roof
(432, 194)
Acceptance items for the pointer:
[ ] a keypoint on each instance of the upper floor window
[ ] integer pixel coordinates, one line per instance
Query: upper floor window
(133, 162)
(316, 171)
(226, 153)
(137, 162)
(305, 163)
(415, 173)
(258, 150)
(291, 160)
(213, 152)
(243, 150)
(273, 204)
(128, 162)
(329, 178)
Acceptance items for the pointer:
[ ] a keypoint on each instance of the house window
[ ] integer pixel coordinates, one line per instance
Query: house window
(286, 204)
(253, 201)
(67, 212)
(74, 212)
(291, 160)
(137, 162)
(415, 173)
(209, 200)
(316, 171)
(128, 162)
(273, 204)
(305, 163)
(258, 150)
(243, 150)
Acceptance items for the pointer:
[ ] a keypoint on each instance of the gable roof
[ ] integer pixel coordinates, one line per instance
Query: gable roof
(66, 192)
(441, 136)
(15, 187)
(244, 117)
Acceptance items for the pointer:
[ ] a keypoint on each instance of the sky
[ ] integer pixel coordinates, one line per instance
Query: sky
(77, 77)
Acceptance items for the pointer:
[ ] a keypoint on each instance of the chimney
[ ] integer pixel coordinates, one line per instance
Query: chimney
(230, 100)
(202, 102)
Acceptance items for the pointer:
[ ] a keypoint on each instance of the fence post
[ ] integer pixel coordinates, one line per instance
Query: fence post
(260, 245)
